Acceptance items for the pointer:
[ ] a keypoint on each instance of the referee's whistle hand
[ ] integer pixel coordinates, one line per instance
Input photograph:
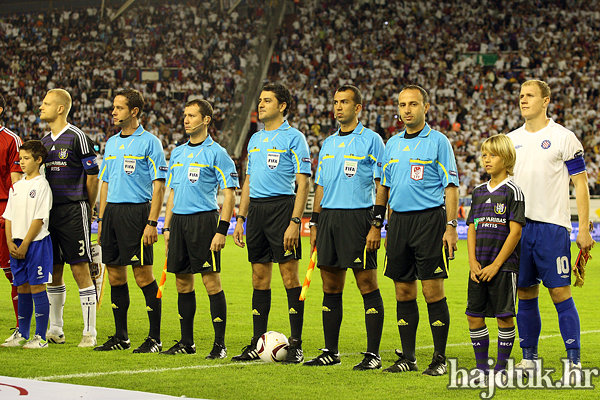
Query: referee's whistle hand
(373, 239)
(449, 240)
(218, 242)
(150, 235)
(290, 237)
(238, 235)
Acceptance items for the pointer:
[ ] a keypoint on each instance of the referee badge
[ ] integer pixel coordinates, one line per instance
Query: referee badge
(416, 172)
(129, 166)
(193, 174)
(350, 168)
(272, 160)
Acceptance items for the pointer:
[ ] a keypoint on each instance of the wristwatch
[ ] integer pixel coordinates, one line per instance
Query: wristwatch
(296, 220)
(377, 223)
(454, 223)
(152, 223)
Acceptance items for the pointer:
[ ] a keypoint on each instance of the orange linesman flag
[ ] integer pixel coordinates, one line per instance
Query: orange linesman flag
(163, 279)
(309, 271)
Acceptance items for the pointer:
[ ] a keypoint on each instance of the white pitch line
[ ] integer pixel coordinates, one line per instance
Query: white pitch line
(130, 372)
(154, 370)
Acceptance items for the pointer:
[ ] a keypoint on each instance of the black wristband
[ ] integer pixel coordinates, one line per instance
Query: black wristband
(99, 219)
(378, 213)
(242, 217)
(223, 227)
(314, 218)
(166, 229)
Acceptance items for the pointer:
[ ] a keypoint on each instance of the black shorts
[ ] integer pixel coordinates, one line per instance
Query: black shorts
(342, 239)
(266, 223)
(69, 229)
(495, 298)
(189, 244)
(122, 233)
(414, 245)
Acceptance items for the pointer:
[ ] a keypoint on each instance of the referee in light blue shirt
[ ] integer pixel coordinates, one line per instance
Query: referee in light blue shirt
(418, 171)
(343, 227)
(278, 158)
(194, 236)
(133, 177)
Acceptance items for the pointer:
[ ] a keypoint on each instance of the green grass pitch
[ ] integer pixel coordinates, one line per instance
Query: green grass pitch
(193, 376)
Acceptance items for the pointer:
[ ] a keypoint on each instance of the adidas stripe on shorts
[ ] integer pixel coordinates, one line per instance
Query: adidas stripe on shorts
(414, 245)
(342, 237)
(189, 243)
(123, 227)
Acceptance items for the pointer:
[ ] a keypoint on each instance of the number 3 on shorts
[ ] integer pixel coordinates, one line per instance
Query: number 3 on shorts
(81, 248)
(562, 265)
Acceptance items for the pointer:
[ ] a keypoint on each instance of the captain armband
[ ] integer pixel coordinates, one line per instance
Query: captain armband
(576, 165)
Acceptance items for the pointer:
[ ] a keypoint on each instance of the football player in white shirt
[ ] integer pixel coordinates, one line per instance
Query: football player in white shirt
(548, 155)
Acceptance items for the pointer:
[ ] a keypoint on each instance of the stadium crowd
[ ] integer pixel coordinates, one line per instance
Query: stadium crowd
(471, 71)
(382, 46)
(199, 51)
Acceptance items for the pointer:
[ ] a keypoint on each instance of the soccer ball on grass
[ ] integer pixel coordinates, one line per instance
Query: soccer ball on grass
(272, 346)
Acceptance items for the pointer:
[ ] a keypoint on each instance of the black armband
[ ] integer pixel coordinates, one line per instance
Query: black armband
(314, 218)
(223, 227)
(378, 213)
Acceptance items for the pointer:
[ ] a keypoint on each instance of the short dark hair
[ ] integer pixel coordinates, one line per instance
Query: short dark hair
(206, 109)
(2, 104)
(36, 148)
(354, 89)
(133, 99)
(420, 89)
(281, 94)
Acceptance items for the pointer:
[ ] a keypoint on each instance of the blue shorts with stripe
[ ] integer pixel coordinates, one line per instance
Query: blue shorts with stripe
(36, 267)
(545, 255)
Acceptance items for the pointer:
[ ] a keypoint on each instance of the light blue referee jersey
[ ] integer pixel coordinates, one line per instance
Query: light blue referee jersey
(274, 159)
(195, 174)
(130, 165)
(348, 167)
(418, 170)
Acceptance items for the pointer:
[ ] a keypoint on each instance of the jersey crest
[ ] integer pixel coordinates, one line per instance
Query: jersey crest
(193, 174)
(416, 172)
(546, 144)
(500, 208)
(350, 168)
(129, 166)
(272, 160)
(63, 154)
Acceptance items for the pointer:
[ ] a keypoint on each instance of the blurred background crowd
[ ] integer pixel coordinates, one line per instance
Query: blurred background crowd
(471, 56)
